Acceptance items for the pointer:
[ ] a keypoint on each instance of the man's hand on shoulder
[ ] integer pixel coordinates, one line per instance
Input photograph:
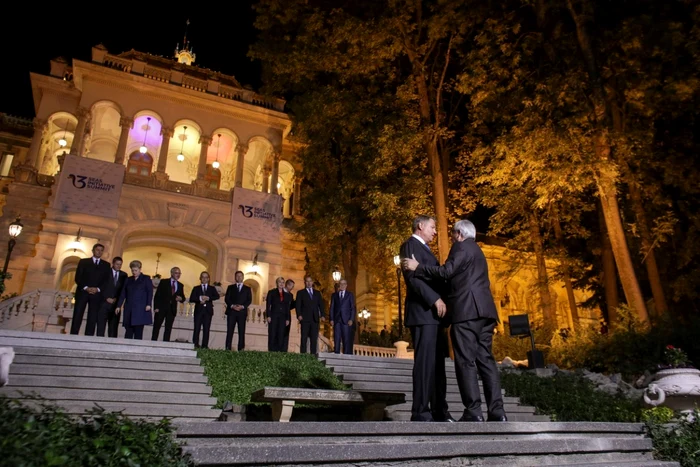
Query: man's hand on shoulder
(441, 307)
(410, 264)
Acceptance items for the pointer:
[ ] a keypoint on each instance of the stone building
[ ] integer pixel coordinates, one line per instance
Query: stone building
(187, 137)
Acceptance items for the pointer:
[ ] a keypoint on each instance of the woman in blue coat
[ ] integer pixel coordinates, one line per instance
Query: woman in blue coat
(138, 293)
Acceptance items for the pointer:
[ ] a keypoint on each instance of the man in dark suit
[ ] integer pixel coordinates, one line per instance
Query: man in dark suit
(107, 316)
(310, 311)
(278, 315)
(168, 295)
(238, 299)
(90, 278)
(424, 312)
(289, 286)
(342, 315)
(203, 296)
(473, 315)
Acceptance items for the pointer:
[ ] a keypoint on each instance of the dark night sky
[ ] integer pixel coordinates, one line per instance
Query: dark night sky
(33, 36)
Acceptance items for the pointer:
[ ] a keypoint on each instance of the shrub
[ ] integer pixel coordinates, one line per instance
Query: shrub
(41, 434)
(234, 376)
(678, 442)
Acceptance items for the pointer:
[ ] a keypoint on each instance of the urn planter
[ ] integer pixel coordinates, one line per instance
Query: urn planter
(675, 388)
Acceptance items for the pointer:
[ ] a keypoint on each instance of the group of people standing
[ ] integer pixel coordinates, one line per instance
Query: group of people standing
(468, 309)
(109, 295)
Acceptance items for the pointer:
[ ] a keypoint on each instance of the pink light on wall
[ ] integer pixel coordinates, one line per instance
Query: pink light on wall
(152, 137)
(224, 149)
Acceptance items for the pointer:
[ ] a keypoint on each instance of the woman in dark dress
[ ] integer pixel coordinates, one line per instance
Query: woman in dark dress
(138, 293)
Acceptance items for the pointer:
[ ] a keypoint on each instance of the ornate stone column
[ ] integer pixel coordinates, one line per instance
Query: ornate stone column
(275, 173)
(167, 133)
(266, 179)
(296, 205)
(204, 141)
(241, 150)
(32, 159)
(78, 146)
(127, 124)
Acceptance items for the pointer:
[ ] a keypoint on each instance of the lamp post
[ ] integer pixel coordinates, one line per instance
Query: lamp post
(336, 277)
(397, 263)
(364, 314)
(14, 230)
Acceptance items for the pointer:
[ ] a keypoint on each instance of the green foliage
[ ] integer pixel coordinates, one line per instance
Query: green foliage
(569, 397)
(675, 357)
(234, 376)
(43, 435)
(3, 277)
(679, 441)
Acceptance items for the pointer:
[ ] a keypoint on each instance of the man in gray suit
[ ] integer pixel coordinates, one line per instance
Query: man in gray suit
(473, 315)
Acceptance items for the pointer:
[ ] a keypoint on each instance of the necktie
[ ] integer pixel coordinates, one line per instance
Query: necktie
(97, 261)
(204, 288)
(426, 246)
(174, 286)
(116, 277)
(342, 294)
(311, 292)
(240, 286)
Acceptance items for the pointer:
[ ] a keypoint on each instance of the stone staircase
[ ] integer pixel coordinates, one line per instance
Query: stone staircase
(349, 444)
(395, 374)
(141, 379)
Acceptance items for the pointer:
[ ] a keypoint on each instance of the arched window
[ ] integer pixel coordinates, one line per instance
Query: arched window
(139, 164)
(212, 178)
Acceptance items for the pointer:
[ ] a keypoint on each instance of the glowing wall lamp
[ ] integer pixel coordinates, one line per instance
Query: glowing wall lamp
(14, 230)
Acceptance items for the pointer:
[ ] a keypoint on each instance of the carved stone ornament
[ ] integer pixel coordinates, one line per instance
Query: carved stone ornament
(675, 388)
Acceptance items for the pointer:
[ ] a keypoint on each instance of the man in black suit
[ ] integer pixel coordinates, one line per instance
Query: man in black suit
(289, 286)
(90, 278)
(203, 296)
(424, 312)
(473, 315)
(278, 315)
(238, 299)
(309, 305)
(168, 295)
(342, 315)
(107, 316)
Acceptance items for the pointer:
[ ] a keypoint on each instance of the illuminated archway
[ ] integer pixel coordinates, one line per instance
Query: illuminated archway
(183, 152)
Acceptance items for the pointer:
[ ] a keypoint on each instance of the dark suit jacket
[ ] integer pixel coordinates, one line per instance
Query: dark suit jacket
(276, 308)
(90, 275)
(310, 308)
(138, 294)
(206, 307)
(110, 290)
(421, 293)
(344, 310)
(165, 300)
(233, 297)
(467, 275)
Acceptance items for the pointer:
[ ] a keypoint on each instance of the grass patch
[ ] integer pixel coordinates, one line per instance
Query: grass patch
(234, 376)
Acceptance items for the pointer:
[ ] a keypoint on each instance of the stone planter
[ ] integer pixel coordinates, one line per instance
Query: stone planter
(675, 388)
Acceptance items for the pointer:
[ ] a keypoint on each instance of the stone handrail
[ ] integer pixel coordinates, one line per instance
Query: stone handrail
(41, 301)
(372, 351)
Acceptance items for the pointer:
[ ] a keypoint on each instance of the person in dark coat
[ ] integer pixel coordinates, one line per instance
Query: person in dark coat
(112, 291)
(342, 315)
(203, 296)
(310, 311)
(472, 313)
(277, 310)
(238, 298)
(90, 278)
(138, 293)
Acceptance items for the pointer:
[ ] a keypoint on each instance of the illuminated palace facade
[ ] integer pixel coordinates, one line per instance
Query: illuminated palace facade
(204, 134)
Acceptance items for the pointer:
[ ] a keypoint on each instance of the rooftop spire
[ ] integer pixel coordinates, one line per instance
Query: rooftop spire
(186, 55)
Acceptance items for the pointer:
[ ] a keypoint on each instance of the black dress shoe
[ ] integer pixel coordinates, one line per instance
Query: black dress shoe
(501, 418)
(450, 420)
(478, 418)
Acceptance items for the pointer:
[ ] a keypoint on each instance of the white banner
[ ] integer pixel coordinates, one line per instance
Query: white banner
(89, 186)
(256, 215)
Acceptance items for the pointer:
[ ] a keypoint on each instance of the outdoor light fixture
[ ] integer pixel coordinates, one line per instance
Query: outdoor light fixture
(62, 142)
(216, 164)
(255, 267)
(143, 149)
(14, 230)
(397, 263)
(75, 244)
(181, 156)
(336, 274)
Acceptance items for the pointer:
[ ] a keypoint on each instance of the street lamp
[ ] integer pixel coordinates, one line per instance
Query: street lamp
(14, 231)
(397, 263)
(364, 314)
(336, 278)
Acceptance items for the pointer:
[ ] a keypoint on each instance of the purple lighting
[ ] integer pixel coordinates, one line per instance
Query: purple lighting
(138, 133)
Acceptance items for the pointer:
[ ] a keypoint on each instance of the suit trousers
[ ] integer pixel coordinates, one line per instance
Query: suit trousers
(134, 332)
(429, 379)
(275, 334)
(202, 323)
(234, 318)
(94, 304)
(163, 315)
(109, 319)
(342, 335)
(472, 342)
(285, 344)
(309, 331)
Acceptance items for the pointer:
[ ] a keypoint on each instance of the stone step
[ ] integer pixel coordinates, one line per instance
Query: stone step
(98, 344)
(251, 451)
(111, 358)
(137, 409)
(362, 377)
(459, 408)
(146, 373)
(102, 363)
(399, 387)
(360, 370)
(105, 341)
(104, 383)
(405, 415)
(72, 394)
